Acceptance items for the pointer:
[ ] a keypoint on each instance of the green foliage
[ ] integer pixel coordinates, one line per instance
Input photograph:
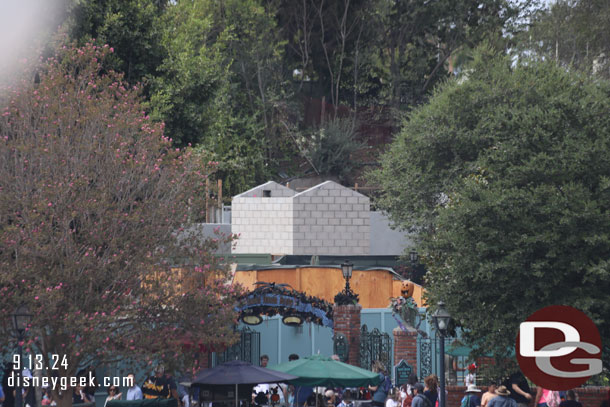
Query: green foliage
(574, 33)
(505, 177)
(330, 148)
(131, 27)
(221, 74)
(219, 86)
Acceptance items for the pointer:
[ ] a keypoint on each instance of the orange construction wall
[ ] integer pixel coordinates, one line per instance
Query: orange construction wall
(375, 287)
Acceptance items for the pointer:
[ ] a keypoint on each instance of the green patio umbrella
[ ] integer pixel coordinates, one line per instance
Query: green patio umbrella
(318, 370)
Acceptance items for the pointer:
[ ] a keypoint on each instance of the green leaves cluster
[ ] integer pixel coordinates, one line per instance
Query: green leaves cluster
(574, 33)
(504, 175)
(221, 75)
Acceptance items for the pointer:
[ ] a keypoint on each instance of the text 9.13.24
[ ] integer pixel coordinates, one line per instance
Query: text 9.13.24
(37, 362)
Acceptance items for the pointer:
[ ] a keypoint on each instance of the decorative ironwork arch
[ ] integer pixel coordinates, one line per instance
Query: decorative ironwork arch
(375, 345)
(272, 299)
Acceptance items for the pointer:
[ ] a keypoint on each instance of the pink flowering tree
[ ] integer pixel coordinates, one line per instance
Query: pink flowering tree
(95, 239)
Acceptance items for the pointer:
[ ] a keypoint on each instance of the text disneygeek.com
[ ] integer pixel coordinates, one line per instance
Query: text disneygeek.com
(64, 383)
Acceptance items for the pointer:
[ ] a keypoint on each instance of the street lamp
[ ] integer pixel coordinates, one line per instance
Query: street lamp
(20, 319)
(347, 296)
(441, 320)
(346, 269)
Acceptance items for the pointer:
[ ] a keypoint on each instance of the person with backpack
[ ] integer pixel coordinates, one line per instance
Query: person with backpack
(419, 400)
(381, 391)
(471, 399)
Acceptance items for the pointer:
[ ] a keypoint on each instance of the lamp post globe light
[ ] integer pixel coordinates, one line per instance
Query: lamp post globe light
(346, 268)
(20, 319)
(441, 320)
(347, 296)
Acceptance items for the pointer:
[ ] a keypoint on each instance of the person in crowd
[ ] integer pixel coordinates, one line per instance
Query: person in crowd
(113, 394)
(264, 360)
(301, 393)
(185, 400)
(519, 389)
(347, 399)
(380, 392)
(1, 395)
(315, 399)
(503, 399)
(289, 394)
(544, 397)
(452, 367)
(80, 396)
(431, 389)
(134, 392)
(9, 394)
(262, 387)
(471, 397)
(86, 372)
(471, 378)
(419, 400)
(489, 394)
(157, 385)
(329, 398)
(46, 399)
(408, 389)
(406, 394)
(570, 400)
(173, 388)
(29, 393)
(393, 398)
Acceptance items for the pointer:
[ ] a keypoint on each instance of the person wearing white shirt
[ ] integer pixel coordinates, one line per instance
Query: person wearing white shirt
(134, 392)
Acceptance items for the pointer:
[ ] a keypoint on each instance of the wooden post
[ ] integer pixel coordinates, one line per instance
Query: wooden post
(219, 201)
(356, 187)
(207, 200)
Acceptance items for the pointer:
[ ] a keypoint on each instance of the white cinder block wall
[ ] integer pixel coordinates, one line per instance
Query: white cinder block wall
(263, 224)
(331, 219)
(325, 219)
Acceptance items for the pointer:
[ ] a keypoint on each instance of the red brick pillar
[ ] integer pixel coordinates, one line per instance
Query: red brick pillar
(346, 320)
(405, 346)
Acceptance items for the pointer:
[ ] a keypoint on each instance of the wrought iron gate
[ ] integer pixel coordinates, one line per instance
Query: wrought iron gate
(428, 357)
(374, 346)
(247, 349)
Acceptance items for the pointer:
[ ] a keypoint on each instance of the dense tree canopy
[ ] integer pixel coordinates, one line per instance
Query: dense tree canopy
(237, 77)
(94, 204)
(504, 177)
(574, 33)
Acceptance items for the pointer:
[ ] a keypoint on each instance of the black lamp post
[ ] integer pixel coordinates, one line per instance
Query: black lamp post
(346, 269)
(347, 296)
(441, 319)
(20, 319)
